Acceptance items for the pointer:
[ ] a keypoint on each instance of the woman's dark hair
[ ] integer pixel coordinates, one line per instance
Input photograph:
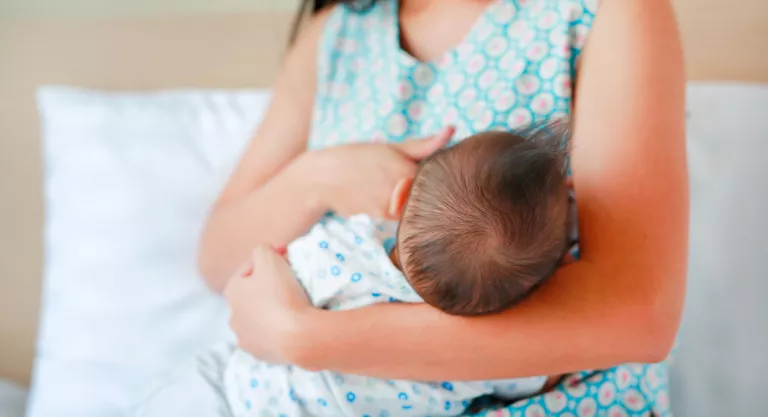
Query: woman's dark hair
(315, 6)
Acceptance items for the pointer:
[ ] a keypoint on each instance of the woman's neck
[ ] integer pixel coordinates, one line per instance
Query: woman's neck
(429, 28)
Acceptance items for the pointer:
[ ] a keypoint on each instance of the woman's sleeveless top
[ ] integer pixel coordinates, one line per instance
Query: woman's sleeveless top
(514, 67)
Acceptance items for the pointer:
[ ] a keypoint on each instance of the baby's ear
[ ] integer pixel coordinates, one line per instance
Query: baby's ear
(399, 197)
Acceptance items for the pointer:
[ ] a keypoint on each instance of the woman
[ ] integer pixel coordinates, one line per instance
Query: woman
(364, 79)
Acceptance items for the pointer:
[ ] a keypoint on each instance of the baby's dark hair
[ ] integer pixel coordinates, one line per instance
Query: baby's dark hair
(486, 221)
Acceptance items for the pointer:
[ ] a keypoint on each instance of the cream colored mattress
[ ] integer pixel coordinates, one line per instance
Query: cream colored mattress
(724, 40)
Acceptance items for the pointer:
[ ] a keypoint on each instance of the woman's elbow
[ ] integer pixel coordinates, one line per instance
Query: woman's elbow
(655, 345)
(209, 276)
(208, 273)
(655, 333)
(209, 267)
(650, 306)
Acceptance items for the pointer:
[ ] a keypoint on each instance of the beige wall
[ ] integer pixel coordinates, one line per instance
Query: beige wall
(135, 8)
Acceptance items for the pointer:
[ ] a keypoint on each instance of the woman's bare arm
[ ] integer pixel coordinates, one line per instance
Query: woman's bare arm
(263, 202)
(622, 301)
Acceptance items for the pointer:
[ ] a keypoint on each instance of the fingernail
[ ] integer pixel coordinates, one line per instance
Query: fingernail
(280, 249)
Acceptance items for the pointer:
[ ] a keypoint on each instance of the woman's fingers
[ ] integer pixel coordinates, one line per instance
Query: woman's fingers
(418, 149)
(245, 270)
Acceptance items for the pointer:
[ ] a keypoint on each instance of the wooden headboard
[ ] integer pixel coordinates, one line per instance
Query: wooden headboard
(724, 41)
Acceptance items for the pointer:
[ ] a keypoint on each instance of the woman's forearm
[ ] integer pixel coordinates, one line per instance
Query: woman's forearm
(570, 324)
(276, 213)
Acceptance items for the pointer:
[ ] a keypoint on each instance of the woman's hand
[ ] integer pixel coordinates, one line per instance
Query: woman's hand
(266, 301)
(360, 178)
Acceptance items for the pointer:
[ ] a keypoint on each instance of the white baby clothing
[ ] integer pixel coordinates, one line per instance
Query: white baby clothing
(196, 390)
(344, 264)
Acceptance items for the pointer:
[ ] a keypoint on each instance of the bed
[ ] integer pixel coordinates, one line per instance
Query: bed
(223, 51)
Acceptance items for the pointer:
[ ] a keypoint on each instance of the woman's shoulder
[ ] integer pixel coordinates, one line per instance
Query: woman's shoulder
(564, 25)
(311, 31)
(320, 39)
(299, 67)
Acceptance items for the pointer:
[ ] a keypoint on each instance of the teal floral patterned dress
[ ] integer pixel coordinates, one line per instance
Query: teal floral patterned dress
(514, 67)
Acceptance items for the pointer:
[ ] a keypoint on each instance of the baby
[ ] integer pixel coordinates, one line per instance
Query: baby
(483, 224)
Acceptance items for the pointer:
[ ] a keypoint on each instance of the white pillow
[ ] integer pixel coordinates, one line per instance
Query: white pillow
(129, 179)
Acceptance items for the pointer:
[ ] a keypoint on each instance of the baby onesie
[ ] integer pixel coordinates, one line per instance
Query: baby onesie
(344, 264)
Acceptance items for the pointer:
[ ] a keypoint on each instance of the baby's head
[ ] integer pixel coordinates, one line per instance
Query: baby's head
(484, 222)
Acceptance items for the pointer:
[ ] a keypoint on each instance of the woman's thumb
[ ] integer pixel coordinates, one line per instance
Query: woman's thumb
(418, 149)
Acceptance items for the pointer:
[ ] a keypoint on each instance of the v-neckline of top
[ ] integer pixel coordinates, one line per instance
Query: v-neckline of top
(406, 56)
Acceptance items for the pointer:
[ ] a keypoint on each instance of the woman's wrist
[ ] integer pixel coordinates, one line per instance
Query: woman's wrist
(307, 171)
(302, 345)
